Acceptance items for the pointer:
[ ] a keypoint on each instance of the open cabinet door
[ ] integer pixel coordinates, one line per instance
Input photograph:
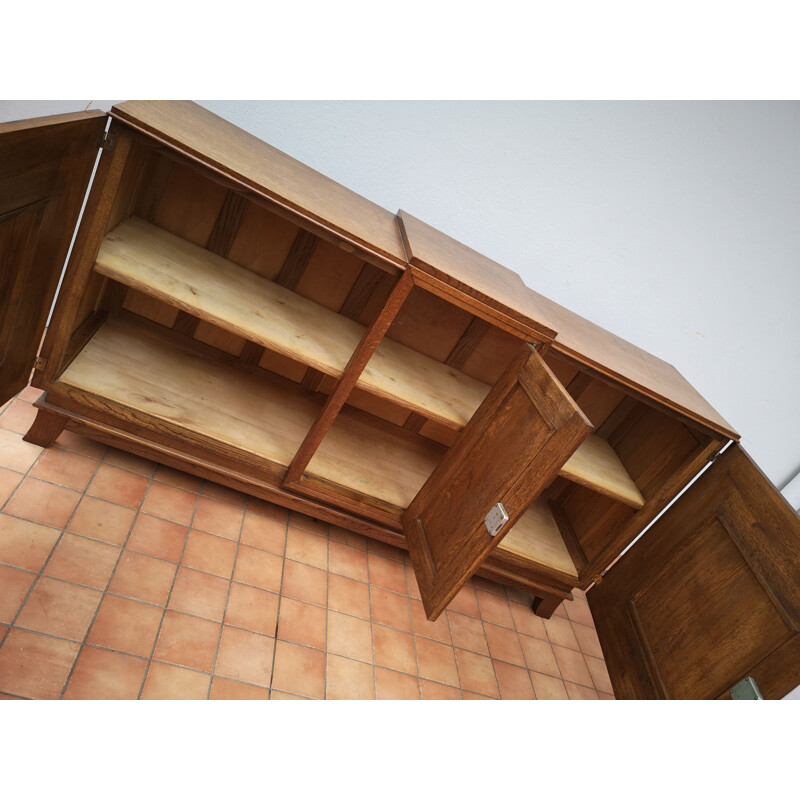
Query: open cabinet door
(511, 449)
(709, 595)
(45, 166)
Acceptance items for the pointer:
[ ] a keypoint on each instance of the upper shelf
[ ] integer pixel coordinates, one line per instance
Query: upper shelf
(182, 274)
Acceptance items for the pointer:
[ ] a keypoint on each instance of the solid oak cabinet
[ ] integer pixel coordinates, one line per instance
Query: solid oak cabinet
(228, 311)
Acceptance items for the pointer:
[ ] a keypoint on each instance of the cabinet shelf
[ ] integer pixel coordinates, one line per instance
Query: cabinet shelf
(139, 367)
(536, 538)
(158, 263)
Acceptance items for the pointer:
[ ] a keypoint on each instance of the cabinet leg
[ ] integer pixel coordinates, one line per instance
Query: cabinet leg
(545, 606)
(46, 428)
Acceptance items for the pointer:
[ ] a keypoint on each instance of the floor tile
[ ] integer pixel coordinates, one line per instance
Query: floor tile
(224, 689)
(578, 611)
(385, 550)
(25, 544)
(494, 608)
(104, 675)
(514, 682)
(83, 561)
(125, 625)
(143, 578)
(539, 655)
(525, 621)
(99, 519)
(389, 608)
(299, 670)
(604, 696)
(14, 586)
(465, 602)
(587, 640)
(436, 661)
(548, 687)
(306, 523)
(169, 502)
(302, 623)
(349, 680)
(504, 644)
(560, 632)
(572, 665)
(348, 596)
(168, 682)
(276, 695)
(9, 480)
(305, 583)
(209, 553)
(264, 533)
(411, 583)
(245, 656)
(599, 673)
(68, 440)
(42, 502)
(467, 632)
(69, 470)
(348, 561)
(129, 461)
(158, 538)
(199, 593)
(308, 548)
(218, 518)
(35, 666)
(59, 609)
(187, 641)
(259, 568)
(394, 649)
(266, 509)
(30, 394)
(18, 417)
(386, 574)
(15, 454)
(476, 673)
(253, 609)
(578, 692)
(118, 486)
(347, 537)
(391, 685)
(438, 630)
(429, 690)
(224, 494)
(349, 636)
(174, 477)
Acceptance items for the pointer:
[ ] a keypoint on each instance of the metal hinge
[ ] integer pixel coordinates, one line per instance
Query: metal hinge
(39, 362)
(713, 457)
(598, 579)
(107, 142)
(746, 689)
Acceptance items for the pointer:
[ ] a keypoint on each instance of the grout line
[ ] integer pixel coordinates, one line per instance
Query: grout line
(278, 612)
(169, 594)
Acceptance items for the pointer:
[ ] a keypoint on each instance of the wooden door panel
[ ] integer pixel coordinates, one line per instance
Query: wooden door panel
(708, 594)
(45, 165)
(510, 450)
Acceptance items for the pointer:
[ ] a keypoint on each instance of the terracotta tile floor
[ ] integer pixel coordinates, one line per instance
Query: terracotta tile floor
(120, 578)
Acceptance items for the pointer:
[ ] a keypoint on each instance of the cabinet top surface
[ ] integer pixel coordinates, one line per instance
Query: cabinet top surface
(203, 136)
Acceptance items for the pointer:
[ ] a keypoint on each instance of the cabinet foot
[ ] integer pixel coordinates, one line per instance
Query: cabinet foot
(46, 428)
(545, 606)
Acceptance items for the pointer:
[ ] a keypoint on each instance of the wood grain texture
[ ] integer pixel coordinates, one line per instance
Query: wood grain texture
(511, 449)
(470, 273)
(45, 166)
(205, 285)
(207, 138)
(535, 537)
(708, 594)
(147, 370)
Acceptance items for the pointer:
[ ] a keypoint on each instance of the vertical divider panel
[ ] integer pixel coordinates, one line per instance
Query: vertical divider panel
(355, 366)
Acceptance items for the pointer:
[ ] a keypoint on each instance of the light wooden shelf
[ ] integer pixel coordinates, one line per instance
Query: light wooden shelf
(141, 368)
(536, 537)
(375, 459)
(595, 465)
(158, 263)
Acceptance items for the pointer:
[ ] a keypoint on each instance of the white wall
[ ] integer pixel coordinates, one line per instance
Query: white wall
(674, 225)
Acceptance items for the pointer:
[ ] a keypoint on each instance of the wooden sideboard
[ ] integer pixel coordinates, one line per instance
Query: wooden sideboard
(228, 311)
